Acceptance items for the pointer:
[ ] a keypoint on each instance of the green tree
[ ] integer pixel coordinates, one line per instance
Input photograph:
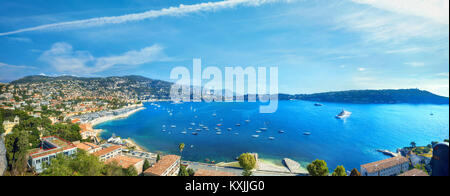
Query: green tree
(355, 172)
(83, 164)
(421, 167)
(183, 171)
(318, 168)
(339, 171)
(146, 165)
(413, 144)
(191, 172)
(247, 173)
(248, 162)
(158, 157)
(130, 171)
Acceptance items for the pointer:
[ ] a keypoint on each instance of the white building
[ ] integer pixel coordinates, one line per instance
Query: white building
(51, 146)
(387, 167)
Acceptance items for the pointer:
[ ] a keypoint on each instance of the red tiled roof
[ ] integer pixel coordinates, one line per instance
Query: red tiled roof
(162, 165)
(124, 161)
(383, 164)
(414, 172)
(106, 150)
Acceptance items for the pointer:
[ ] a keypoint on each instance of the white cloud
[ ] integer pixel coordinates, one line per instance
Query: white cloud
(415, 64)
(443, 74)
(20, 39)
(386, 27)
(171, 11)
(4, 65)
(361, 69)
(435, 10)
(63, 58)
(404, 50)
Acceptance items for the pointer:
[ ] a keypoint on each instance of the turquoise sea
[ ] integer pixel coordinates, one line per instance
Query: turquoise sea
(349, 142)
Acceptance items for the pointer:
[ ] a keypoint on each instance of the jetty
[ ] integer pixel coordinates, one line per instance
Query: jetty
(389, 153)
(293, 166)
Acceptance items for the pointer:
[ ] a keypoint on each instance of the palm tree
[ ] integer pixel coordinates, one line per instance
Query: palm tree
(181, 147)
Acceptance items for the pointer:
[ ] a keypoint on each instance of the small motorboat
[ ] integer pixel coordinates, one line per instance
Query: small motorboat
(271, 138)
(263, 129)
(173, 126)
(229, 129)
(280, 131)
(194, 133)
(306, 133)
(318, 104)
(219, 133)
(247, 121)
(258, 131)
(238, 125)
(184, 132)
(255, 136)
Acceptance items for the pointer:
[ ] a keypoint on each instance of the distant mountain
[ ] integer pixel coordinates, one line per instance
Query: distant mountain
(134, 86)
(143, 87)
(411, 96)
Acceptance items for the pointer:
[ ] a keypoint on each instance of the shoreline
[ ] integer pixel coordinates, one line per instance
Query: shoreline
(104, 119)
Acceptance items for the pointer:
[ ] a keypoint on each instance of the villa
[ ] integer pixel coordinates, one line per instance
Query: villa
(108, 153)
(8, 126)
(387, 167)
(126, 162)
(50, 147)
(88, 147)
(169, 165)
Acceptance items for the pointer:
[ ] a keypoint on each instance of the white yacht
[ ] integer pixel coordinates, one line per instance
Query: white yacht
(344, 114)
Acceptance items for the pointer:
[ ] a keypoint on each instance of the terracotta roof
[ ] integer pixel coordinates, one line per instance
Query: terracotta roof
(162, 165)
(204, 172)
(106, 150)
(383, 164)
(87, 146)
(414, 172)
(124, 161)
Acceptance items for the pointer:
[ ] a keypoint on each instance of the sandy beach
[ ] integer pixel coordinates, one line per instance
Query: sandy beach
(114, 117)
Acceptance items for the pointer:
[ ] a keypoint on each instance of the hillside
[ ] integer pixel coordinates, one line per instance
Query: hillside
(411, 96)
(132, 86)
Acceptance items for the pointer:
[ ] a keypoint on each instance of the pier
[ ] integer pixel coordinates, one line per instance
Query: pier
(293, 166)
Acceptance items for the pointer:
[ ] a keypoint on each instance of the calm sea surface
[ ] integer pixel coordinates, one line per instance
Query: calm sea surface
(349, 142)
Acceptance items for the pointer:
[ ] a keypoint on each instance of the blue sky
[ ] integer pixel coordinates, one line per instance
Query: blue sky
(318, 45)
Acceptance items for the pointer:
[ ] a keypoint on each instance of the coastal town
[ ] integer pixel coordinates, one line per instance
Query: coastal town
(53, 119)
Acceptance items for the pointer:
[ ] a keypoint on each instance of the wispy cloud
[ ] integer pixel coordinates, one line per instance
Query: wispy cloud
(436, 10)
(415, 64)
(4, 65)
(65, 59)
(361, 69)
(443, 74)
(404, 50)
(20, 39)
(171, 11)
(397, 21)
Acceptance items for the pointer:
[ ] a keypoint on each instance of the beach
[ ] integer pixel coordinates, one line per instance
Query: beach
(115, 117)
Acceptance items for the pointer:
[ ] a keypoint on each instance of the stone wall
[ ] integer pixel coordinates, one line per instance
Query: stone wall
(3, 163)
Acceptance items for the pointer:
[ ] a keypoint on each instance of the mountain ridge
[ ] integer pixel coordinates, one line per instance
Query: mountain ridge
(382, 96)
